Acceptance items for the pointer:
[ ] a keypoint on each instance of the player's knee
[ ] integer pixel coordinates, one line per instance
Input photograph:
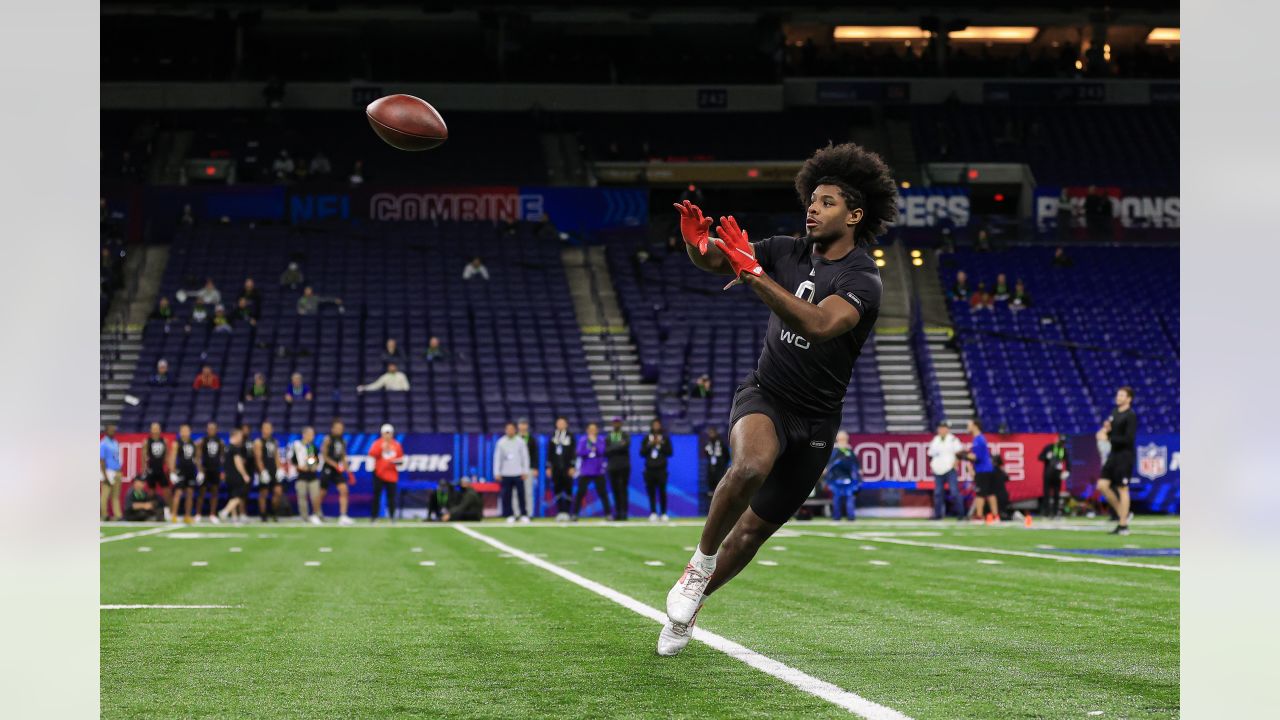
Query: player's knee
(1104, 485)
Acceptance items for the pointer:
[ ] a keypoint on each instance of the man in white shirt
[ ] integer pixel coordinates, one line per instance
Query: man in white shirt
(943, 450)
(511, 465)
(393, 380)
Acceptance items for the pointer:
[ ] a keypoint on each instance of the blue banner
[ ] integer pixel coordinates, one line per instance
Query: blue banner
(935, 206)
(1157, 481)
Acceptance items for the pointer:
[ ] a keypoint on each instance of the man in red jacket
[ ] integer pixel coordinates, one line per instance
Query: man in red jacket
(386, 452)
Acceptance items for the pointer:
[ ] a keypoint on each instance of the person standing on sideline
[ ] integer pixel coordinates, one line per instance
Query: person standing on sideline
(655, 450)
(944, 449)
(210, 451)
(561, 451)
(266, 461)
(843, 479)
(617, 455)
(239, 476)
(184, 473)
(305, 457)
(717, 455)
(510, 466)
(531, 477)
(386, 453)
(1056, 469)
(1122, 434)
(984, 478)
(156, 452)
(590, 470)
(109, 466)
(333, 451)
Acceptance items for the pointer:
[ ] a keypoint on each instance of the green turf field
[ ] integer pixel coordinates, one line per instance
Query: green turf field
(1018, 628)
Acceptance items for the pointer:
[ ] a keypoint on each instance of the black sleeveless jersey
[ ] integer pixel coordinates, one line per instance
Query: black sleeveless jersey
(157, 448)
(270, 454)
(812, 377)
(213, 451)
(186, 458)
(336, 449)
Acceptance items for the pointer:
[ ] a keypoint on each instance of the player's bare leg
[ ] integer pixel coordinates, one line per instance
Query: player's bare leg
(1104, 487)
(748, 535)
(754, 445)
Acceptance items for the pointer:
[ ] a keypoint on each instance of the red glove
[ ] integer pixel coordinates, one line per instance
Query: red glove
(693, 226)
(733, 242)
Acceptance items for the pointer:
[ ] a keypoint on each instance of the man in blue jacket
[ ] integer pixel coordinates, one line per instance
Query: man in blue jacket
(843, 478)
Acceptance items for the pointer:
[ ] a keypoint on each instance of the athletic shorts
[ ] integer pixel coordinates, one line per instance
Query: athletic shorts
(113, 478)
(212, 478)
(156, 479)
(237, 487)
(1118, 468)
(331, 478)
(186, 478)
(804, 448)
(984, 484)
(271, 480)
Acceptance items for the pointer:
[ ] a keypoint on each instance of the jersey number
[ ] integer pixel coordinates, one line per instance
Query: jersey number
(806, 291)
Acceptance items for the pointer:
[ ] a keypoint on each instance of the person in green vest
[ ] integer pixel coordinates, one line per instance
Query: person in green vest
(1057, 466)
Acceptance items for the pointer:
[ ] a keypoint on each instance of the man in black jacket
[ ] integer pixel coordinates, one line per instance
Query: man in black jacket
(561, 451)
(617, 454)
(439, 501)
(655, 450)
(1056, 464)
(466, 504)
(530, 480)
(716, 452)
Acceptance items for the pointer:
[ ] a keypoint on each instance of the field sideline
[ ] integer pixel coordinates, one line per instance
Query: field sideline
(928, 620)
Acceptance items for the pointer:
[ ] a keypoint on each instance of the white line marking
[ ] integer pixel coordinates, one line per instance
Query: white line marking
(203, 536)
(166, 607)
(819, 688)
(415, 549)
(144, 548)
(985, 561)
(768, 563)
(235, 550)
(869, 547)
(689, 548)
(326, 549)
(877, 562)
(199, 563)
(1045, 547)
(312, 563)
(140, 533)
(598, 549)
(779, 548)
(652, 563)
(427, 563)
(995, 551)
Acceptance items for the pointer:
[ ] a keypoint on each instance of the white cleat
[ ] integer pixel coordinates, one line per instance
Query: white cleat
(344, 520)
(511, 518)
(315, 520)
(686, 596)
(525, 519)
(665, 518)
(214, 520)
(653, 517)
(675, 636)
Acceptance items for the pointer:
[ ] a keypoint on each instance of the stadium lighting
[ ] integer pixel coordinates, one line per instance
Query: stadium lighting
(917, 261)
(1159, 36)
(915, 253)
(1009, 34)
(878, 252)
(905, 185)
(874, 32)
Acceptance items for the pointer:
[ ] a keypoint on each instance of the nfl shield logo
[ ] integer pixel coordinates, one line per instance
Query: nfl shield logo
(1153, 461)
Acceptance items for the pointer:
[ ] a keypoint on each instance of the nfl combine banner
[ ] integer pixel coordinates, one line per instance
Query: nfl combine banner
(1155, 483)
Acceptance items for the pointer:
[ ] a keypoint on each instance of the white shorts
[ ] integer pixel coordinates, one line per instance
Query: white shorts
(113, 477)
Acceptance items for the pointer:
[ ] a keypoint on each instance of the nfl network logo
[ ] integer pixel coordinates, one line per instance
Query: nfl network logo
(1153, 461)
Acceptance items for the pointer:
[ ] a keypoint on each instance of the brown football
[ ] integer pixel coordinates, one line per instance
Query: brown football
(406, 122)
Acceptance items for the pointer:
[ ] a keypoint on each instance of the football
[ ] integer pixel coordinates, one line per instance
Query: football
(406, 122)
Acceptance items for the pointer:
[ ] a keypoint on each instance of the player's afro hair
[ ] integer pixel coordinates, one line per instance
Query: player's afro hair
(864, 181)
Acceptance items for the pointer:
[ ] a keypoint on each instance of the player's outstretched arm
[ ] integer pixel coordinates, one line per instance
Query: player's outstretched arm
(694, 229)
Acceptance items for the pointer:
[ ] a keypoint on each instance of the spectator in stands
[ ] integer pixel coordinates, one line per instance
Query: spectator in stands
(590, 468)
(163, 311)
(617, 453)
(981, 298)
(292, 277)
(1097, 214)
(982, 243)
(258, 390)
(393, 380)
(1066, 215)
(283, 167)
(392, 354)
(209, 294)
(187, 219)
(1001, 293)
(199, 312)
(434, 350)
(474, 268)
(245, 312)
(309, 304)
(297, 390)
(1061, 259)
(944, 449)
(221, 323)
(161, 377)
(700, 388)
(466, 503)
(1021, 298)
(250, 293)
(319, 166)
(207, 380)
(960, 290)
(511, 465)
(356, 179)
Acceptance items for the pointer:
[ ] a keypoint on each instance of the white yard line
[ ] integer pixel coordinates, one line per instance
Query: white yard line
(166, 607)
(852, 702)
(140, 533)
(991, 551)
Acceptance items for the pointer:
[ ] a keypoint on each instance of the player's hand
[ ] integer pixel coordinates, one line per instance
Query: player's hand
(173, 478)
(693, 227)
(736, 246)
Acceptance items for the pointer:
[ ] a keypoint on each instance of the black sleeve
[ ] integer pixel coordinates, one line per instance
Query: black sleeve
(770, 250)
(1044, 454)
(860, 289)
(1129, 434)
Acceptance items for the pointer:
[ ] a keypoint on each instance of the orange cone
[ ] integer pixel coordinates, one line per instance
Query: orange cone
(991, 519)
(1027, 520)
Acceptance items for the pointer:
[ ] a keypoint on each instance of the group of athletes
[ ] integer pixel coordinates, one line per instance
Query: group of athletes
(189, 474)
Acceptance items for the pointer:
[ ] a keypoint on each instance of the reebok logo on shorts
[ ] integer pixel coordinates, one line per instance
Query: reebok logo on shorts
(817, 444)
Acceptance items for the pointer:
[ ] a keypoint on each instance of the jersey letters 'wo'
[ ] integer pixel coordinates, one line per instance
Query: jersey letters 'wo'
(814, 377)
